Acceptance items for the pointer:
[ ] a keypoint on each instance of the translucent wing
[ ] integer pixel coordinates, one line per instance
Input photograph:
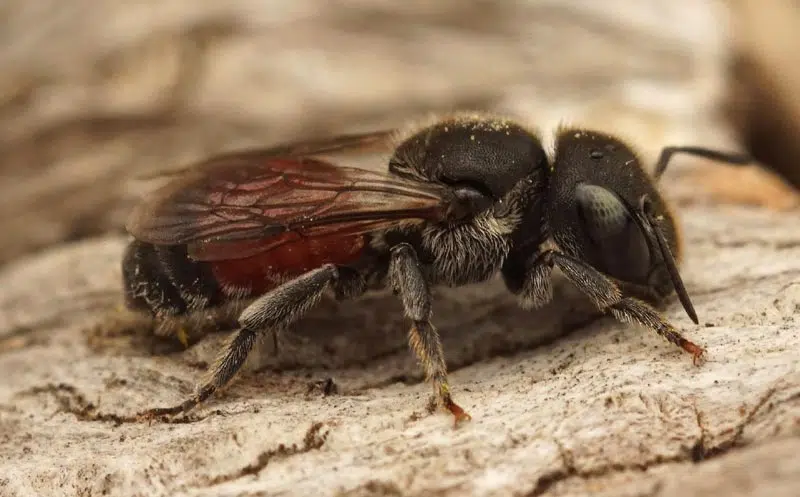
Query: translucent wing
(258, 198)
(371, 141)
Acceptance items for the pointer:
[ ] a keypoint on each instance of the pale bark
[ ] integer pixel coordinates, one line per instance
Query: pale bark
(563, 404)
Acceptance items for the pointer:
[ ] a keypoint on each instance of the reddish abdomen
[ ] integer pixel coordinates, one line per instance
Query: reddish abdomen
(292, 257)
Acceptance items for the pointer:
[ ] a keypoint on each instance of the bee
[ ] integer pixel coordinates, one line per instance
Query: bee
(463, 199)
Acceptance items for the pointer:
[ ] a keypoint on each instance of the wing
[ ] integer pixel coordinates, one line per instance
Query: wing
(372, 141)
(253, 199)
(356, 142)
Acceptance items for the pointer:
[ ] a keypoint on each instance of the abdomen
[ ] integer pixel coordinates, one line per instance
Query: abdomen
(259, 273)
(167, 280)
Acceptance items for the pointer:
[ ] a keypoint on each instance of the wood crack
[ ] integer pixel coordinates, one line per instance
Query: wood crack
(698, 452)
(72, 401)
(313, 439)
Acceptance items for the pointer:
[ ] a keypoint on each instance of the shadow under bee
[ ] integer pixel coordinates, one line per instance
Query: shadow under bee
(476, 322)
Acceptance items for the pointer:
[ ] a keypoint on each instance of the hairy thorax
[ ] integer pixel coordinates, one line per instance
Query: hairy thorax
(466, 253)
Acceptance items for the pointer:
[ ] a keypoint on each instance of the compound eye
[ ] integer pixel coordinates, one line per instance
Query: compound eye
(617, 239)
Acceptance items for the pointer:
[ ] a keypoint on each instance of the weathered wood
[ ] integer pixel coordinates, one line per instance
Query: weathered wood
(606, 409)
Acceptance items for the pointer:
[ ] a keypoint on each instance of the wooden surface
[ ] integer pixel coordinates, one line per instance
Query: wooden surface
(608, 410)
(563, 403)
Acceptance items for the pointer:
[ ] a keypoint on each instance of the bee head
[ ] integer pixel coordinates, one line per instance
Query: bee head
(605, 209)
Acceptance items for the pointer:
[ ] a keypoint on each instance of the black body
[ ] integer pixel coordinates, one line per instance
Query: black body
(503, 198)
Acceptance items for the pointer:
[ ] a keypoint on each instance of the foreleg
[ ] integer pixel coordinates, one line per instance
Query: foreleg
(602, 291)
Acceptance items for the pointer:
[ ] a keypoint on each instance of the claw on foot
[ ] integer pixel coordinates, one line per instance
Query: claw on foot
(460, 415)
(695, 350)
(184, 407)
(159, 412)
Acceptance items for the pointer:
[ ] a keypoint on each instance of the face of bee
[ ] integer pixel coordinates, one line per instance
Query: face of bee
(480, 160)
(596, 211)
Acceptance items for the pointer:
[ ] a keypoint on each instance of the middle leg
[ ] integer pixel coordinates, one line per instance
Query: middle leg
(408, 281)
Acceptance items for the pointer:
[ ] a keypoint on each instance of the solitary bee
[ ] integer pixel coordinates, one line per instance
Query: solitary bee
(463, 199)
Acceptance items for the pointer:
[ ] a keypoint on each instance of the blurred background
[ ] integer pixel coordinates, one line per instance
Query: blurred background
(96, 92)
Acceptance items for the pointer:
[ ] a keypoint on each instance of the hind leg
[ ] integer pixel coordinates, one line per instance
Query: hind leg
(273, 311)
